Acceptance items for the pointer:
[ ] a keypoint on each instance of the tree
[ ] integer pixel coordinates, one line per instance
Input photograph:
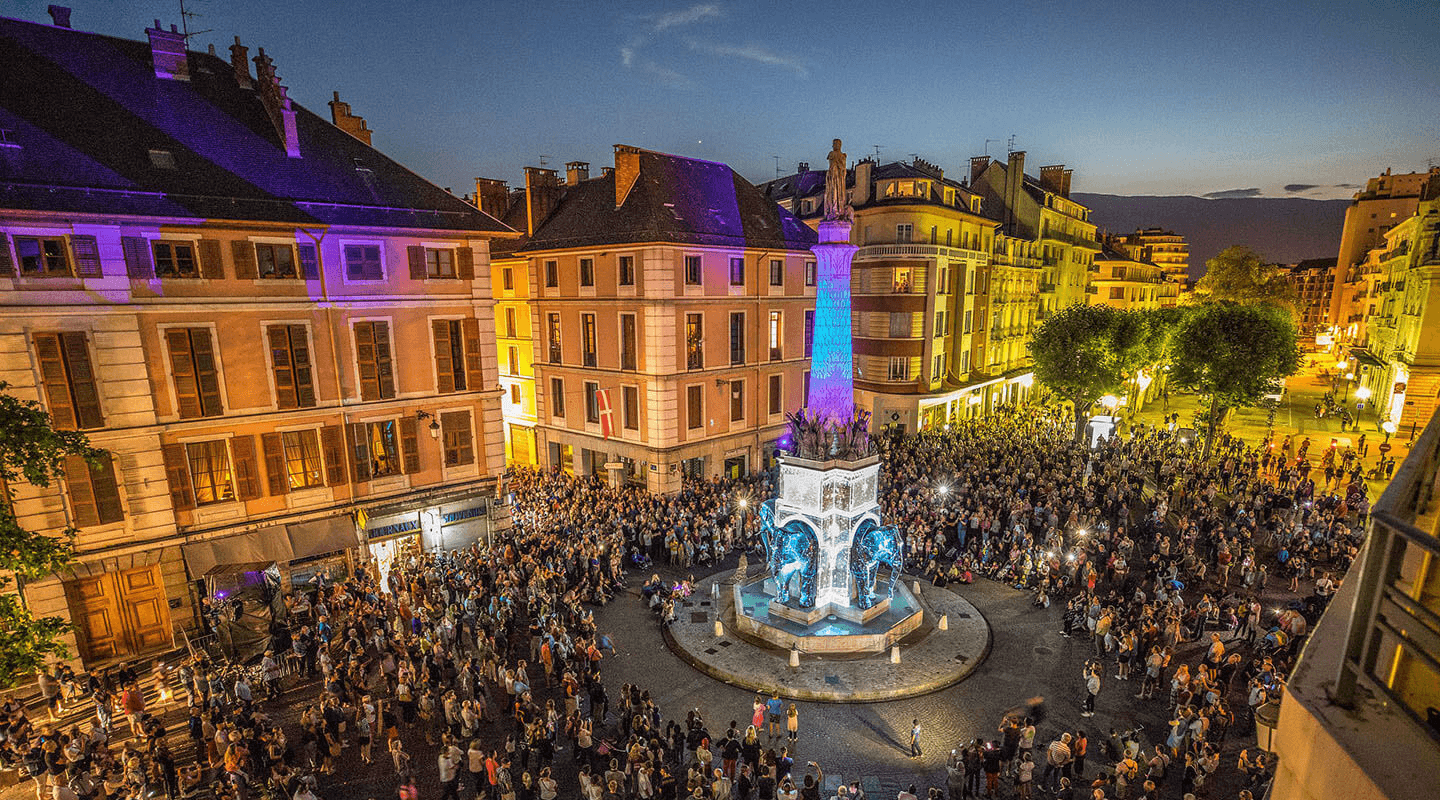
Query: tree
(1081, 353)
(1238, 274)
(1233, 353)
(33, 451)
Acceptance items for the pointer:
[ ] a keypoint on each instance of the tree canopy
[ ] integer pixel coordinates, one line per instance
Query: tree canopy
(1240, 275)
(1082, 352)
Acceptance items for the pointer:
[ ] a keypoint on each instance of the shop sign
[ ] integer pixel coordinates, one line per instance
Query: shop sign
(407, 525)
(463, 514)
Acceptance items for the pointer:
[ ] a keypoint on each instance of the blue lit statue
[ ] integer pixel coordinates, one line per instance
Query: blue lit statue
(873, 546)
(790, 550)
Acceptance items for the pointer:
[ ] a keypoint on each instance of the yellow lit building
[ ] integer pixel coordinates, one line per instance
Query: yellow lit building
(1165, 249)
(1385, 202)
(1122, 281)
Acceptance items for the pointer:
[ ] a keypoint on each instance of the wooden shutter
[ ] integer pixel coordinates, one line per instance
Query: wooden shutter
(82, 381)
(300, 361)
(279, 336)
(139, 259)
(444, 364)
(182, 367)
(357, 434)
(207, 374)
(474, 365)
(455, 428)
(465, 263)
(247, 467)
(417, 262)
(82, 497)
(87, 256)
(243, 253)
(309, 261)
(211, 265)
(384, 370)
(332, 446)
(56, 382)
(7, 263)
(106, 490)
(177, 472)
(365, 360)
(410, 444)
(272, 446)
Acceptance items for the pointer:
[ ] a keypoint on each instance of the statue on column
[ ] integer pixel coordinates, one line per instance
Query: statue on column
(837, 199)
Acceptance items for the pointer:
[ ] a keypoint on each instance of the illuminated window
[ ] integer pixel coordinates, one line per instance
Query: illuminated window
(902, 281)
(382, 448)
(587, 272)
(302, 459)
(692, 270)
(776, 330)
(210, 472)
(553, 326)
(694, 341)
(588, 341)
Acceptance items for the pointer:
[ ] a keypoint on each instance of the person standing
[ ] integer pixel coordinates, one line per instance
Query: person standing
(915, 738)
(775, 708)
(792, 724)
(1092, 688)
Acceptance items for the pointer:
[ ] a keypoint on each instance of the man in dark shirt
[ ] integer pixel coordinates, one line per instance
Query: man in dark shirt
(991, 761)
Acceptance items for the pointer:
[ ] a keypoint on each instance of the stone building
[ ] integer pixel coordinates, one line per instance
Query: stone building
(1165, 249)
(274, 330)
(1125, 281)
(1312, 281)
(1386, 201)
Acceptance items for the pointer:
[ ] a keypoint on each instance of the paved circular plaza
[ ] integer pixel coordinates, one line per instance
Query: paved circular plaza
(930, 658)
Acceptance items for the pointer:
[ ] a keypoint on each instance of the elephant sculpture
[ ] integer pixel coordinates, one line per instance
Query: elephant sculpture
(791, 550)
(872, 546)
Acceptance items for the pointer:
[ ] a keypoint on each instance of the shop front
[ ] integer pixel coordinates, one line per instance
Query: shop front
(392, 534)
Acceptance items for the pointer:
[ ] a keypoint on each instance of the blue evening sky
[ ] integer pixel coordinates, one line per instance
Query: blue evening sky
(1136, 97)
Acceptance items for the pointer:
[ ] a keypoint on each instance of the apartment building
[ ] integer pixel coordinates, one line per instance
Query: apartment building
(1313, 283)
(514, 325)
(1165, 249)
(673, 308)
(282, 337)
(1125, 281)
(1386, 201)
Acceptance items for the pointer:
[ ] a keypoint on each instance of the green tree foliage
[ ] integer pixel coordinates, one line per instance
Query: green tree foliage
(1233, 353)
(1239, 275)
(32, 451)
(1082, 352)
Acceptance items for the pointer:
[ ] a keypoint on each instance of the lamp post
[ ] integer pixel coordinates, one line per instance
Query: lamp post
(1362, 393)
(1340, 367)
(1389, 427)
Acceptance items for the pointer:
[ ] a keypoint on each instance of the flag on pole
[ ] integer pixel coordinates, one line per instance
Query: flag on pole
(607, 416)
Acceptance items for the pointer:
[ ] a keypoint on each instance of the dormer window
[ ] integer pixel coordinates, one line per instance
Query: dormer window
(162, 159)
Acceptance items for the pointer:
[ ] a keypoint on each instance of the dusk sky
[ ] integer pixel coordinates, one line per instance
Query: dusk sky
(1136, 97)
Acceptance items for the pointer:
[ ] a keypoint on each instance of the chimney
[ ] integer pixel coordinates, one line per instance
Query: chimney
(1052, 178)
(240, 62)
(576, 171)
(803, 167)
(491, 196)
(342, 118)
(167, 51)
(1065, 184)
(864, 169)
(60, 15)
(1014, 180)
(977, 166)
(627, 171)
(606, 172)
(542, 194)
(277, 104)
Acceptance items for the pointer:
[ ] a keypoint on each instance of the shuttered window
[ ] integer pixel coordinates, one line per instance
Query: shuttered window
(247, 467)
(275, 260)
(375, 449)
(455, 434)
(69, 381)
(47, 257)
(372, 354)
(292, 460)
(210, 474)
(332, 446)
(290, 358)
(196, 372)
(175, 260)
(449, 356)
(94, 495)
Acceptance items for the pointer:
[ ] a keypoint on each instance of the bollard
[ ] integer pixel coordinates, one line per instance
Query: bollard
(917, 589)
(719, 628)
(944, 623)
(794, 657)
(715, 590)
(895, 654)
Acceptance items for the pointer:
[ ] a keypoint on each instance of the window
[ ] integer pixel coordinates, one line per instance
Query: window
(939, 323)
(737, 338)
(630, 408)
(777, 272)
(810, 276)
(69, 380)
(587, 339)
(510, 322)
(175, 260)
(943, 285)
(902, 283)
(194, 367)
(301, 451)
(439, 263)
(964, 361)
(362, 262)
(210, 472)
(552, 274)
(1117, 292)
(372, 357)
(455, 437)
(275, 260)
(777, 401)
(934, 234)
(376, 446)
(805, 385)
(949, 232)
(904, 232)
(737, 271)
(899, 324)
(777, 329)
(899, 368)
(94, 494)
(737, 401)
(553, 326)
(592, 402)
(512, 360)
(587, 272)
(507, 278)
(968, 320)
(694, 407)
(515, 394)
(809, 332)
(628, 360)
(290, 360)
(449, 355)
(627, 270)
(694, 341)
(692, 270)
(557, 397)
(939, 368)
(42, 257)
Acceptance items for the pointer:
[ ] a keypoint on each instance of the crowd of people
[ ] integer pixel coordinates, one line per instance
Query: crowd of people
(490, 657)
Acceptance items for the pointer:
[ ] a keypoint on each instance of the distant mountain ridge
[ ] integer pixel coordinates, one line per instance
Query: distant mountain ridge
(1281, 229)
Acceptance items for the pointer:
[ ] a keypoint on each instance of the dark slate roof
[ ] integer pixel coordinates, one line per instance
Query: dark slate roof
(812, 184)
(1316, 263)
(86, 110)
(515, 216)
(674, 199)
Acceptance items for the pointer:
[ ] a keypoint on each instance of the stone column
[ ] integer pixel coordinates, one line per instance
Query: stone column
(832, 375)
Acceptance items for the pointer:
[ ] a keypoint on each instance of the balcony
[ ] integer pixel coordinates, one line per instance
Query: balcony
(1007, 260)
(905, 250)
(1046, 288)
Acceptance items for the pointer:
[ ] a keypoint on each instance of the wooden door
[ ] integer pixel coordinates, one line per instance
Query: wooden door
(146, 611)
(120, 614)
(96, 614)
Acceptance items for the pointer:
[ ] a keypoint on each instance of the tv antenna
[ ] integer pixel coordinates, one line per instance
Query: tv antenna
(544, 156)
(987, 144)
(777, 165)
(185, 16)
(877, 152)
(1010, 144)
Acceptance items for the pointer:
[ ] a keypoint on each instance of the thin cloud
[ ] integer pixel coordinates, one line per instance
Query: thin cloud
(688, 16)
(1231, 194)
(1300, 187)
(751, 52)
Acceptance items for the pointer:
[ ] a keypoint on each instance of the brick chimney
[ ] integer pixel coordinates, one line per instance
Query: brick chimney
(1014, 180)
(977, 166)
(240, 62)
(542, 194)
(802, 167)
(627, 171)
(167, 51)
(60, 15)
(1052, 178)
(342, 118)
(277, 104)
(864, 172)
(606, 172)
(1065, 184)
(576, 171)
(492, 196)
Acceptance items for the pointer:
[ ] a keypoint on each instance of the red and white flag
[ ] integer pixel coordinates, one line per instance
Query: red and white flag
(607, 416)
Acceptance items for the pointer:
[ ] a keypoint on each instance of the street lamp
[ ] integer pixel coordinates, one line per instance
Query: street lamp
(1389, 427)
(1340, 367)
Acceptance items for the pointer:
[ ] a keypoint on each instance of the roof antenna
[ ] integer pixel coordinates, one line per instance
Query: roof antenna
(777, 165)
(1010, 145)
(544, 156)
(185, 17)
(987, 144)
(877, 152)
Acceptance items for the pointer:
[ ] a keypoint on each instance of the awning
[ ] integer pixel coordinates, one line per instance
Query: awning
(321, 536)
(1366, 357)
(271, 544)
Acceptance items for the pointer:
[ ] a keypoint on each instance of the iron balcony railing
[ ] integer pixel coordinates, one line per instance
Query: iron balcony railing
(871, 251)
